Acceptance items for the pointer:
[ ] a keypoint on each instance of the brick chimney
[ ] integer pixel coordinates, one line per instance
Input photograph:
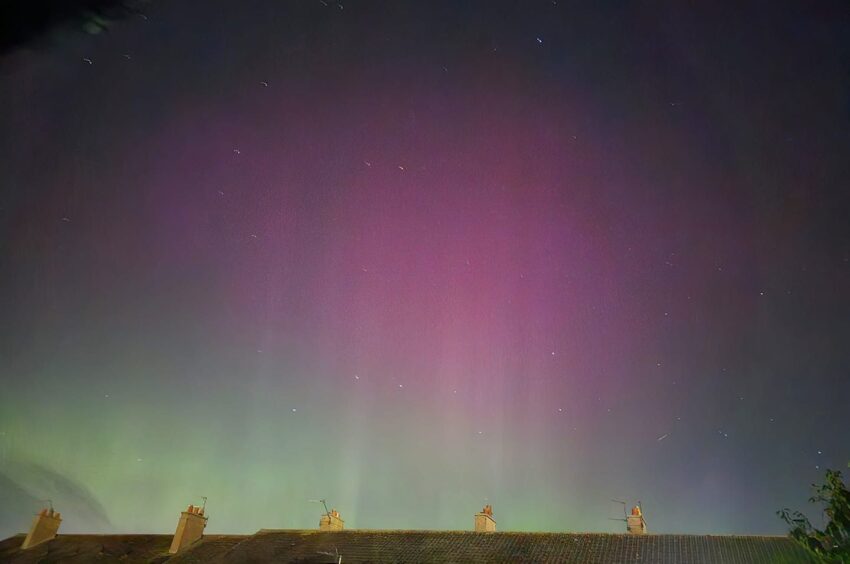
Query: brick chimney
(44, 527)
(190, 528)
(331, 521)
(484, 522)
(635, 523)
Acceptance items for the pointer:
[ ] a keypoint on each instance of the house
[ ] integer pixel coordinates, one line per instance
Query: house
(482, 545)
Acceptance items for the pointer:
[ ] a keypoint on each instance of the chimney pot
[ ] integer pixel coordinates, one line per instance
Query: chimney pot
(331, 521)
(635, 523)
(44, 528)
(484, 522)
(190, 529)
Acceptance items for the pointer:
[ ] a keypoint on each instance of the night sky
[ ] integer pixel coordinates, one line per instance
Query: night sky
(418, 257)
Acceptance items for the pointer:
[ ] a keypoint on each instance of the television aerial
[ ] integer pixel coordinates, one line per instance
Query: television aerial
(324, 503)
(625, 517)
(335, 554)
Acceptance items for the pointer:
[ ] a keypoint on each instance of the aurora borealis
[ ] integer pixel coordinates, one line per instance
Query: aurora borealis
(418, 257)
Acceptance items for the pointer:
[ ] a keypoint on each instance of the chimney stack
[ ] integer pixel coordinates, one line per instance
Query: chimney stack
(484, 522)
(635, 524)
(331, 521)
(44, 528)
(190, 528)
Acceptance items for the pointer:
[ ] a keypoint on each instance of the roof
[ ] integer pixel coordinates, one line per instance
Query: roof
(87, 548)
(363, 546)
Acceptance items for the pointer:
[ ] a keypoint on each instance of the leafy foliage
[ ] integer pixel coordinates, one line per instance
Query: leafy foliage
(832, 544)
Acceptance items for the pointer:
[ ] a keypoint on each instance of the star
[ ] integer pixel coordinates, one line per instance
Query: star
(237, 152)
(87, 60)
(294, 410)
(540, 41)
(264, 83)
(662, 437)
(66, 219)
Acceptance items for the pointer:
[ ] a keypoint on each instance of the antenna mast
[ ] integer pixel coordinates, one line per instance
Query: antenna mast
(642, 514)
(625, 514)
(324, 503)
(334, 553)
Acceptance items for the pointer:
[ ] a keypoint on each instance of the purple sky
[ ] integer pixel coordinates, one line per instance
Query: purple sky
(419, 257)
